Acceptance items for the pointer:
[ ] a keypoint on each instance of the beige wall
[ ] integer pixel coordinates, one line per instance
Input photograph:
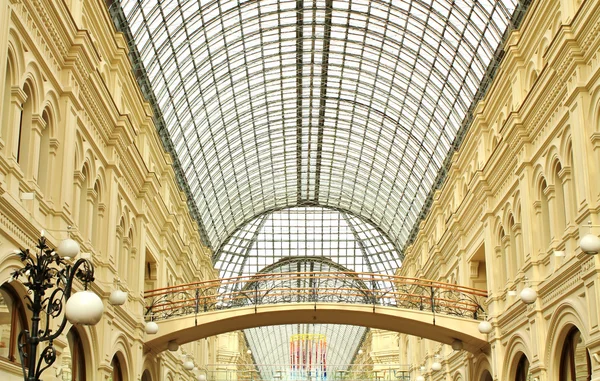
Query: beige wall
(522, 186)
(92, 159)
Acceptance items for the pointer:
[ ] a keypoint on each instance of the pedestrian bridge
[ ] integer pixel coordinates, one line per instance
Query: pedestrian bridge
(434, 310)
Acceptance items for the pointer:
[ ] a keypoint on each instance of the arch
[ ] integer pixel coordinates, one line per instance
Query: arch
(33, 78)
(185, 329)
(575, 362)
(44, 160)
(564, 318)
(150, 368)
(50, 103)
(83, 211)
(119, 372)
(559, 212)
(121, 257)
(14, 320)
(97, 219)
(79, 152)
(541, 60)
(88, 159)
(79, 367)
(122, 352)
(522, 368)
(25, 126)
(483, 369)
(146, 376)
(10, 81)
(544, 234)
(517, 346)
(89, 339)
(532, 74)
(16, 57)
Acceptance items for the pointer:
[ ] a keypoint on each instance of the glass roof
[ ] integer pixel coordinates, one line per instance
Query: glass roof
(306, 232)
(351, 104)
(271, 345)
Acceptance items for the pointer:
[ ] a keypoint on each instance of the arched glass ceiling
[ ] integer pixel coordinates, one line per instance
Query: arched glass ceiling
(350, 104)
(270, 345)
(306, 232)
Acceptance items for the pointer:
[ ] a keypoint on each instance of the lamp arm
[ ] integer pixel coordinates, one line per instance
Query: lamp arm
(55, 306)
(48, 355)
(22, 344)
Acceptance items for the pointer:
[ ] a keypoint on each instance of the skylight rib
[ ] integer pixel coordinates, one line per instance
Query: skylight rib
(353, 105)
(308, 231)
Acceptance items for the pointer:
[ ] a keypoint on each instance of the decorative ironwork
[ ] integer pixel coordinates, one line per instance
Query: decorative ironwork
(316, 287)
(43, 271)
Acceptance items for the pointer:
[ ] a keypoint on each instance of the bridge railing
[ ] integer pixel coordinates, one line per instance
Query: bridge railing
(315, 287)
(287, 372)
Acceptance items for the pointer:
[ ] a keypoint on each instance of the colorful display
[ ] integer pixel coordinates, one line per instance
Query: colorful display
(308, 357)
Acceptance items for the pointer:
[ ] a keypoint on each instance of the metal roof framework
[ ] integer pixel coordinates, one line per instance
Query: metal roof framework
(345, 110)
(271, 345)
(307, 231)
(353, 105)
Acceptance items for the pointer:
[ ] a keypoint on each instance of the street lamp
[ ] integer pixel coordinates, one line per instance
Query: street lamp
(49, 270)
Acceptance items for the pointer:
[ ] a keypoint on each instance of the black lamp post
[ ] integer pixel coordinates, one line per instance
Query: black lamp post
(50, 270)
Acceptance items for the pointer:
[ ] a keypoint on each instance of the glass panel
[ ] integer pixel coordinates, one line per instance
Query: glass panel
(343, 104)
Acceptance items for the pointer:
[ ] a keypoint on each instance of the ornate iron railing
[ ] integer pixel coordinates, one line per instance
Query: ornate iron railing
(285, 372)
(315, 287)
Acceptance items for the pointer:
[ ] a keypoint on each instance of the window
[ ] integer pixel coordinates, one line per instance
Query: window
(77, 356)
(44, 158)
(12, 321)
(117, 373)
(575, 362)
(25, 127)
(522, 373)
(146, 376)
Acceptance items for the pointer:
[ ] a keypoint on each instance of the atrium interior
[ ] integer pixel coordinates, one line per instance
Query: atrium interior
(300, 190)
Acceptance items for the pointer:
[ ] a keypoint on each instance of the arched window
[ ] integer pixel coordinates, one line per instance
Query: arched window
(522, 373)
(6, 111)
(545, 218)
(575, 364)
(559, 205)
(83, 196)
(77, 356)
(12, 322)
(146, 376)
(25, 128)
(486, 376)
(44, 159)
(97, 219)
(117, 371)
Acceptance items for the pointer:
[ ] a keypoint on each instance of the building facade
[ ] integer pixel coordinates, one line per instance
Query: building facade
(80, 156)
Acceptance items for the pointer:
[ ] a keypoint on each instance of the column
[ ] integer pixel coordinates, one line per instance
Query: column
(550, 194)
(509, 259)
(32, 164)
(570, 202)
(78, 184)
(88, 224)
(518, 249)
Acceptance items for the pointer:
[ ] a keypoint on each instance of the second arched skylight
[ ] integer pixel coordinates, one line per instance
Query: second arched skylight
(307, 231)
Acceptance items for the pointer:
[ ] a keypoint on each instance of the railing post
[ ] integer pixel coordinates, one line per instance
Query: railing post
(433, 303)
(255, 297)
(197, 306)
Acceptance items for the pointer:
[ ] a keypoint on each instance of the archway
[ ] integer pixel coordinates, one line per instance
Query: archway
(575, 364)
